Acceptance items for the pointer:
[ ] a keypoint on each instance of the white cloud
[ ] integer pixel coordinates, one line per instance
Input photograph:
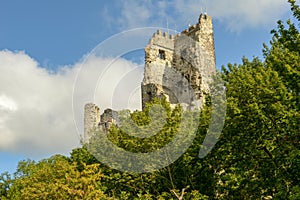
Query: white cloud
(238, 15)
(7, 104)
(235, 14)
(36, 116)
(138, 15)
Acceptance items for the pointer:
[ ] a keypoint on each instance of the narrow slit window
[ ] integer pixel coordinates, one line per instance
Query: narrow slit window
(162, 54)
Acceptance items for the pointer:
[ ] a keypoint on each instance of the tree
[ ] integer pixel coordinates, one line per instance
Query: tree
(258, 153)
(5, 184)
(256, 157)
(56, 178)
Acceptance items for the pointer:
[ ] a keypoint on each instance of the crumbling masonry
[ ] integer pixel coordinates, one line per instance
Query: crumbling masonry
(178, 67)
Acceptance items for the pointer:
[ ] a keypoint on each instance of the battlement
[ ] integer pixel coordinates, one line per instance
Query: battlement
(201, 29)
(166, 40)
(162, 39)
(161, 34)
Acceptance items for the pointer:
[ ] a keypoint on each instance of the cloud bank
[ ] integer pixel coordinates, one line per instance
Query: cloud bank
(235, 14)
(36, 112)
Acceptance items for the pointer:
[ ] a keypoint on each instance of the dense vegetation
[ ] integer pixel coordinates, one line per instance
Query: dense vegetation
(256, 157)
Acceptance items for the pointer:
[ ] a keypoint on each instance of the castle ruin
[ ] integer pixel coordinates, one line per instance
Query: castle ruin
(177, 67)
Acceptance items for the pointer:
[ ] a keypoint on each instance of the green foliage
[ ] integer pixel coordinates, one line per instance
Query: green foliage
(56, 178)
(256, 157)
(82, 157)
(258, 152)
(259, 133)
(163, 127)
(5, 183)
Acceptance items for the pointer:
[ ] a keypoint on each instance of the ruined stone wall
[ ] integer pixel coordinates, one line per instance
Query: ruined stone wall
(180, 67)
(94, 121)
(91, 119)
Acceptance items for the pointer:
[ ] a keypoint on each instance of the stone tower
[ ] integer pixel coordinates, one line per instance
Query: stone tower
(179, 67)
(91, 120)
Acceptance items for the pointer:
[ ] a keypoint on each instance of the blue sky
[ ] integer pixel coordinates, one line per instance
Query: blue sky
(43, 45)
